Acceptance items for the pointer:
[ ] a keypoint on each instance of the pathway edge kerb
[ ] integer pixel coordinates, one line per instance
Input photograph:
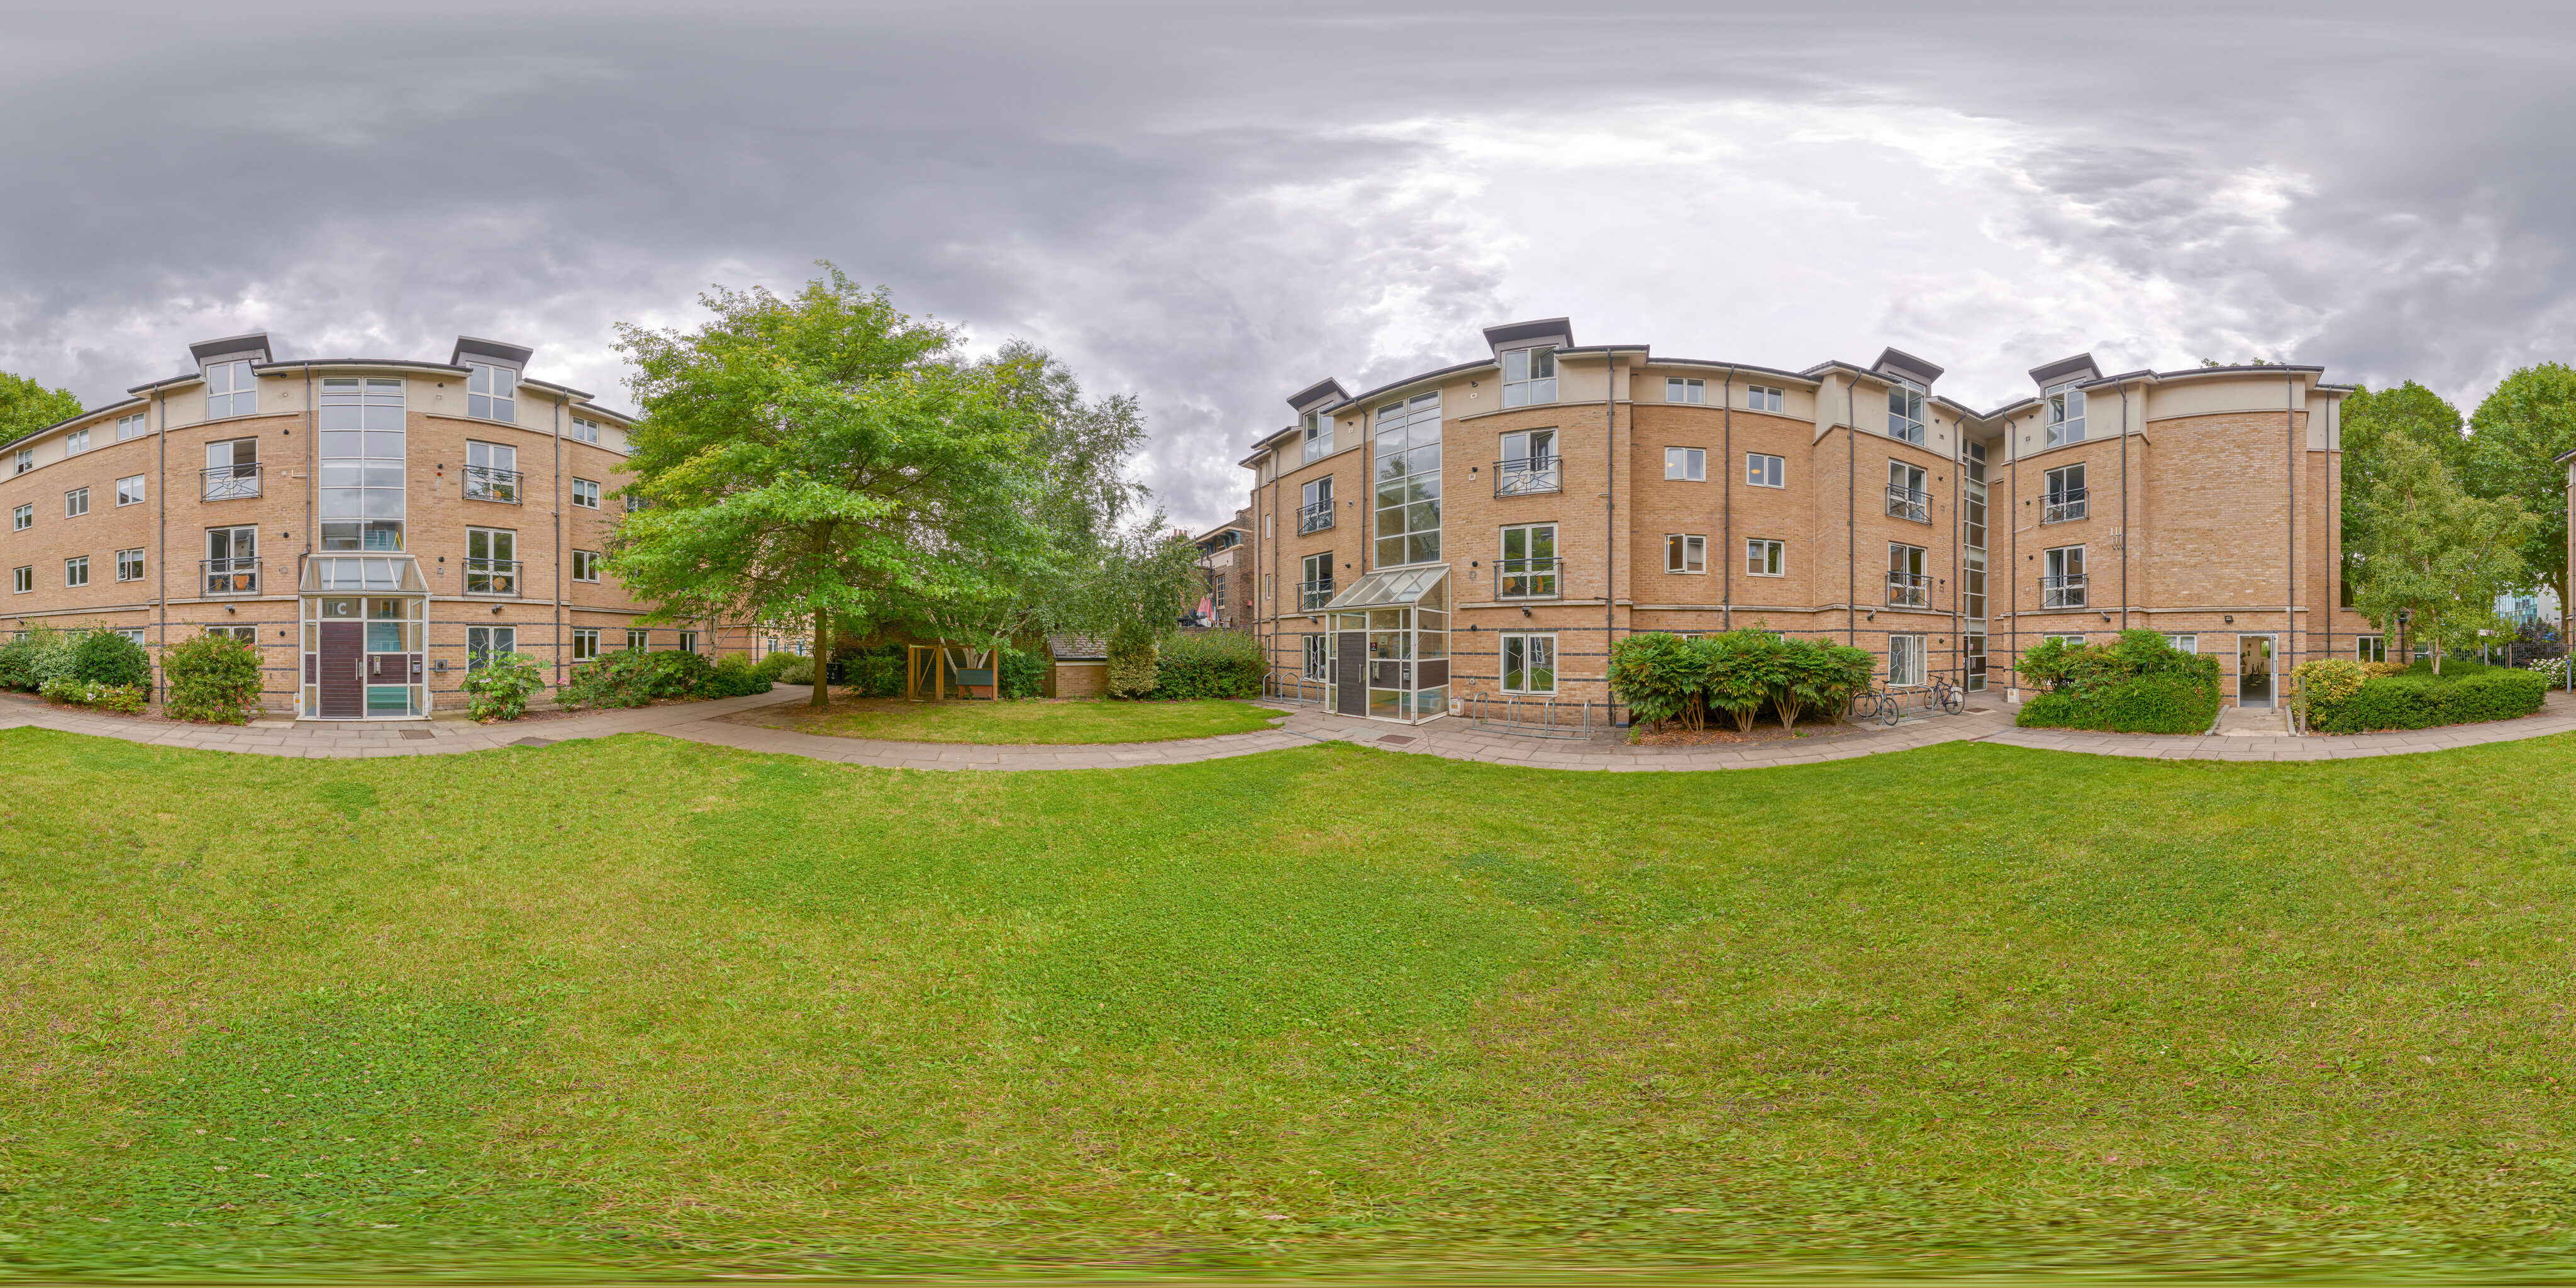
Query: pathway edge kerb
(705, 723)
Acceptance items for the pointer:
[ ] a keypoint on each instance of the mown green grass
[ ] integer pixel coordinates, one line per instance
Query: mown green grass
(639, 1008)
(1072, 721)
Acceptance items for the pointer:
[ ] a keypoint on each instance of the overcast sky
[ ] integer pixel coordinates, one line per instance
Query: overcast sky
(1211, 206)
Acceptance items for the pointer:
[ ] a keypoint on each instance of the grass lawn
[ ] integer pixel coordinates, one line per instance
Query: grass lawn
(1070, 720)
(639, 1008)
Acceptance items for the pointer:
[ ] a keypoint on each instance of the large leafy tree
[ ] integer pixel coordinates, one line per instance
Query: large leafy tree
(2436, 551)
(2515, 439)
(2371, 420)
(824, 459)
(27, 406)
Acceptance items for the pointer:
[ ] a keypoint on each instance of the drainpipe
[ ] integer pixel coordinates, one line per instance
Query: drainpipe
(1959, 548)
(312, 481)
(2289, 610)
(2125, 534)
(1851, 511)
(161, 512)
(2334, 529)
(1609, 513)
(2012, 551)
(559, 543)
(1726, 510)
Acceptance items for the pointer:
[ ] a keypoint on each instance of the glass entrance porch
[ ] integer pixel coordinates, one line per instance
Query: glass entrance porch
(363, 619)
(1390, 651)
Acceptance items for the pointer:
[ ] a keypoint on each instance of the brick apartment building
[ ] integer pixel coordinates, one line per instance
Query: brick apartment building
(1491, 527)
(1225, 559)
(374, 526)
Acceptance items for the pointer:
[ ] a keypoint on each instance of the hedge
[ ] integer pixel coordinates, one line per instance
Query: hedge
(212, 678)
(2420, 700)
(1661, 677)
(2140, 683)
(1209, 664)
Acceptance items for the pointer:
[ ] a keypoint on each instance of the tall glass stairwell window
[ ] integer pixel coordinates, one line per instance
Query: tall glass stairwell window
(1905, 411)
(1973, 521)
(1408, 481)
(362, 463)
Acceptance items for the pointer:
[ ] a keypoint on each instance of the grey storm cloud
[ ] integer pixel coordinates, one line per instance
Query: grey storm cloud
(1212, 205)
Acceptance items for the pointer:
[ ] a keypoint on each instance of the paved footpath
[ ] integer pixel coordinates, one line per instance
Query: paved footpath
(1450, 739)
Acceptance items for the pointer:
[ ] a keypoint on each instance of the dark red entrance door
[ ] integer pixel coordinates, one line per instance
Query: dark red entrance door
(344, 690)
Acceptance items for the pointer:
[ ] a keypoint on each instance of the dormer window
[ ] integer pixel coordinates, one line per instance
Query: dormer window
(585, 430)
(2065, 414)
(491, 393)
(1904, 410)
(1319, 435)
(229, 390)
(1529, 376)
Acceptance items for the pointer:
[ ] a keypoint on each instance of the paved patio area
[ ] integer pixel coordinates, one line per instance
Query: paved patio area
(1452, 739)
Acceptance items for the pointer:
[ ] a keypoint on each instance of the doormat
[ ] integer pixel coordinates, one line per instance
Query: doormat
(534, 742)
(1397, 738)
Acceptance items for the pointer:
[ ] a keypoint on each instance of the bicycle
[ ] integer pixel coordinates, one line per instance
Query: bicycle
(1874, 704)
(1949, 697)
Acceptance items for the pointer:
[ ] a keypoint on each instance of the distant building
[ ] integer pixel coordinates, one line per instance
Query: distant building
(1225, 558)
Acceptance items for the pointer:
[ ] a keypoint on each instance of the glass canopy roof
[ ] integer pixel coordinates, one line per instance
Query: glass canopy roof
(1390, 588)
(363, 574)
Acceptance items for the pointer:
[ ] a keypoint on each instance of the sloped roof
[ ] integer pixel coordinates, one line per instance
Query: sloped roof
(1078, 648)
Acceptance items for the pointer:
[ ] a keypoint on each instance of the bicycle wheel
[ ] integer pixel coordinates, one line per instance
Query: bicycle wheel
(1953, 700)
(1887, 710)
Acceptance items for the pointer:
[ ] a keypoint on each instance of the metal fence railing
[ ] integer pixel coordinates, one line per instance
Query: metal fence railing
(1537, 715)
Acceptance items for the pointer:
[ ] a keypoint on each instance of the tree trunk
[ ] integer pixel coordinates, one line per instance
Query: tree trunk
(822, 658)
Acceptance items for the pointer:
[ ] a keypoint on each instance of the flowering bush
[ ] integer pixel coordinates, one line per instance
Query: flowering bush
(126, 698)
(213, 678)
(500, 688)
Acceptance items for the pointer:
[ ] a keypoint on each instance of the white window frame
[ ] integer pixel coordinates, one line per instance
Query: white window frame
(585, 565)
(75, 503)
(585, 643)
(129, 564)
(585, 430)
(25, 460)
(1546, 643)
(485, 396)
(1761, 553)
(688, 641)
(76, 442)
(1761, 469)
(483, 643)
(132, 427)
(231, 390)
(1317, 428)
(1315, 657)
(1762, 398)
(585, 494)
(2370, 648)
(23, 518)
(1911, 561)
(1685, 554)
(1904, 648)
(1686, 464)
(1536, 582)
(1682, 389)
(76, 571)
(2056, 558)
(22, 578)
(1906, 482)
(2065, 413)
(639, 641)
(1529, 376)
(130, 489)
(2057, 501)
(2066, 639)
(2188, 643)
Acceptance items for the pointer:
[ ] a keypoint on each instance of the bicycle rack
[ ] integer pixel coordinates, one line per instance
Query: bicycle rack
(1531, 715)
(1293, 690)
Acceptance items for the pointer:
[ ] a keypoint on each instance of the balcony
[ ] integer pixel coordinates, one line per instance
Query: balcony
(1909, 503)
(1313, 595)
(1529, 476)
(2062, 507)
(2062, 592)
(1316, 517)
(230, 576)
(232, 482)
(484, 483)
(1529, 578)
(1909, 590)
(492, 576)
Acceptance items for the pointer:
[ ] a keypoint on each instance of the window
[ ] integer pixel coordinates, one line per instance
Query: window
(129, 564)
(585, 494)
(134, 426)
(1529, 376)
(1974, 467)
(1907, 586)
(2065, 499)
(2062, 583)
(1529, 566)
(491, 472)
(1216, 592)
(1763, 558)
(1972, 588)
(1906, 498)
(2069, 640)
(229, 390)
(232, 560)
(1315, 657)
(2065, 414)
(76, 571)
(24, 461)
(1318, 429)
(1765, 471)
(688, 641)
(1686, 463)
(491, 393)
(1408, 482)
(633, 502)
(2370, 648)
(76, 503)
(76, 442)
(1529, 464)
(1761, 398)
(1529, 664)
(362, 463)
(129, 490)
(1905, 411)
(23, 578)
(585, 565)
(1679, 390)
(22, 518)
(1973, 645)
(585, 644)
(638, 641)
(483, 643)
(1315, 508)
(1685, 554)
(1907, 661)
(246, 634)
(585, 430)
(491, 561)
(2185, 643)
(1315, 589)
(134, 633)
(232, 469)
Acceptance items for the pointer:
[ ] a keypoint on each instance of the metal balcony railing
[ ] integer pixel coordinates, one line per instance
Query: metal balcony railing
(1313, 595)
(484, 483)
(2062, 592)
(491, 576)
(2060, 507)
(1909, 503)
(1316, 517)
(1529, 578)
(1909, 590)
(230, 576)
(1529, 476)
(232, 482)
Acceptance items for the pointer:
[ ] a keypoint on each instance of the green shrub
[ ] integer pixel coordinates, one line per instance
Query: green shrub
(105, 657)
(1131, 665)
(2423, 701)
(1209, 664)
(500, 688)
(1023, 673)
(2139, 683)
(636, 678)
(41, 654)
(213, 678)
(874, 673)
(795, 670)
(1658, 677)
(125, 698)
(770, 666)
(734, 677)
(1661, 677)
